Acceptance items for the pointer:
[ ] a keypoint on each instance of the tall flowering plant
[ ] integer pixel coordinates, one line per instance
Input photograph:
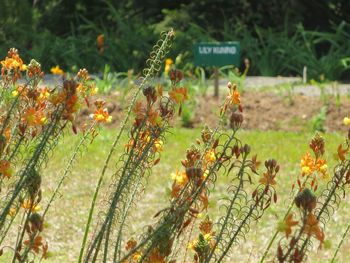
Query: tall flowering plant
(33, 118)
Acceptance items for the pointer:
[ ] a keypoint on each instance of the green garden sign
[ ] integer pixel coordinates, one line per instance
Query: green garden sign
(216, 54)
(209, 54)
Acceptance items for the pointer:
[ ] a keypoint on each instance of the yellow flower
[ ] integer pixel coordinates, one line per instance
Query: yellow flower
(306, 170)
(44, 94)
(12, 212)
(56, 70)
(307, 164)
(27, 204)
(180, 178)
(208, 237)
(136, 257)
(346, 121)
(15, 93)
(210, 156)
(158, 145)
(192, 245)
(205, 174)
(101, 115)
(168, 63)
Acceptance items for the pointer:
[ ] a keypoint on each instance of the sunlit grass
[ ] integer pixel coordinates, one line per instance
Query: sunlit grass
(66, 220)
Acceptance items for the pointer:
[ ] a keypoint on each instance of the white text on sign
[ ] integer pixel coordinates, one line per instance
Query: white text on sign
(217, 50)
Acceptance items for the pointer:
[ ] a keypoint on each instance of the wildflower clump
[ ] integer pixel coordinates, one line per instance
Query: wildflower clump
(314, 209)
(215, 155)
(33, 117)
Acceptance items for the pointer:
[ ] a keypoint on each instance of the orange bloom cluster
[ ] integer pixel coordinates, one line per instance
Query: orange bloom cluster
(154, 256)
(31, 110)
(311, 166)
(101, 115)
(34, 117)
(150, 116)
(312, 228)
(233, 99)
(144, 140)
(197, 166)
(12, 66)
(179, 95)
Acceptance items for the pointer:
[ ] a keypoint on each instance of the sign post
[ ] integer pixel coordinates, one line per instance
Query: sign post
(216, 55)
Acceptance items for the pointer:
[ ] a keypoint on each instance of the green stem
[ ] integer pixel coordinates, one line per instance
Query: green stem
(68, 167)
(153, 67)
(275, 234)
(340, 243)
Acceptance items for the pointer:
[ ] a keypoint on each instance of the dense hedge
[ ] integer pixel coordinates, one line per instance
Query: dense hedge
(64, 32)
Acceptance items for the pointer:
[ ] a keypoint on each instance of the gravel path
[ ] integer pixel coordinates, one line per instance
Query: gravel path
(259, 83)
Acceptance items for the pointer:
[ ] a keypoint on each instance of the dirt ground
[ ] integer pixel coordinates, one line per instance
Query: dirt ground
(261, 110)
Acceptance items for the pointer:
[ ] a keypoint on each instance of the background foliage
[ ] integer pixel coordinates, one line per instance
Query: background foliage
(279, 37)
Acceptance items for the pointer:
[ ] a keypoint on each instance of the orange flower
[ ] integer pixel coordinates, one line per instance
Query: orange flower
(307, 164)
(13, 62)
(341, 152)
(179, 95)
(255, 163)
(267, 179)
(156, 257)
(5, 168)
(131, 244)
(206, 225)
(312, 228)
(100, 42)
(34, 244)
(33, 117)
(138, 109)
(287, 224)
(57, 70)
(154, 118)
(321, 166)
(101, 115)
(233, 98)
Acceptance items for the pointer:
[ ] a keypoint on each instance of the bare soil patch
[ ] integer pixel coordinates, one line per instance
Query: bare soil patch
(262, 111)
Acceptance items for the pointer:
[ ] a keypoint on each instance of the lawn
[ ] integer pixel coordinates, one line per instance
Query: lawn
(65, 221)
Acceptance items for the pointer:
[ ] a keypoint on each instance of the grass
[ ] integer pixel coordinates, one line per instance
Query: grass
(68, 215)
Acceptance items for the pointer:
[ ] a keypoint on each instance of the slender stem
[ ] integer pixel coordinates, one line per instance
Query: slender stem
(228, 213)
(153, 67)
(68, 167)
(275, 234)
(340, 243)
